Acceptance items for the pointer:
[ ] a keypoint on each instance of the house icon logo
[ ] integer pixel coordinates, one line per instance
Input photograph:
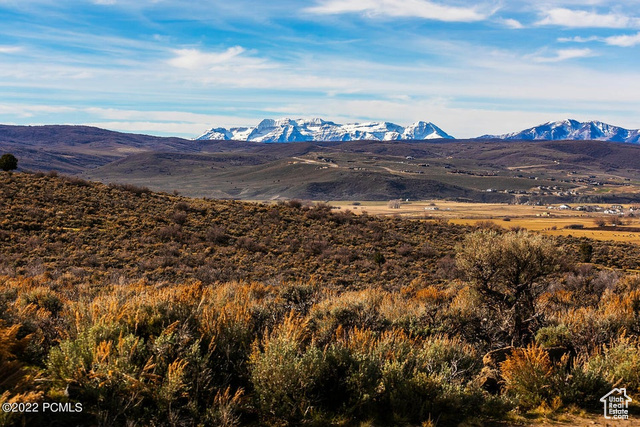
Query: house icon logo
(616, 404)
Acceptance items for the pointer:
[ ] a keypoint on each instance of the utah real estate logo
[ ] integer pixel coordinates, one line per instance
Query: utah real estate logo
(616, 404)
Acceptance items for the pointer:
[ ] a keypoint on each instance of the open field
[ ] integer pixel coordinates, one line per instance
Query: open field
(554, 222)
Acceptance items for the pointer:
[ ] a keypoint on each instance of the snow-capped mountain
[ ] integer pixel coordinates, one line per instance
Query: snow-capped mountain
(288, 130)
(573, 129)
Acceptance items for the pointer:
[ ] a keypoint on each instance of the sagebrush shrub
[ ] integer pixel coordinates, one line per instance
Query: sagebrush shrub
(530, 378)
(285, 371)
(618, 363)
(553, 336)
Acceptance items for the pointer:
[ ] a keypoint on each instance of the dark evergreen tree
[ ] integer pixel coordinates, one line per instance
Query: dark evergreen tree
(8, 162)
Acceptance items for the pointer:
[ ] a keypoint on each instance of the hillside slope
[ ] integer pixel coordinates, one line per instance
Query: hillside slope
(66, 225)
(370, 170)
(72, 149)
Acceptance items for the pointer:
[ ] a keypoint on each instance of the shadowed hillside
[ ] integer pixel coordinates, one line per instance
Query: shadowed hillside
(585, 171)
(72, 149)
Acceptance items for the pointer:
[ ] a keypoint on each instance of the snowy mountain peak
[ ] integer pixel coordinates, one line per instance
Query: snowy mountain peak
(423, 130)
(317, 129)
(570, 129)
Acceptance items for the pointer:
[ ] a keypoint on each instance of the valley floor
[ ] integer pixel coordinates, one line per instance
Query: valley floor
(550, 220)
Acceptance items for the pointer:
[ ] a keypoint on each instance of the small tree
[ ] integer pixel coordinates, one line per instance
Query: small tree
(616, 220)
(586, 252)
(8, 162)
(508, 272)
(379, 258)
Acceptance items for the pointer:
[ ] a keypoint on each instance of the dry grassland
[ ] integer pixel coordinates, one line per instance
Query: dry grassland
(530, 217)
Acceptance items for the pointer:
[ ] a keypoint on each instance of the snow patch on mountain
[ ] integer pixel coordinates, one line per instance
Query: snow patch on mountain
(572, 130)
(288, 130)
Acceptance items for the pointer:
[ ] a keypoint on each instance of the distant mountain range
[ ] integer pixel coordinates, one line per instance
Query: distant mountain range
(301, 130)
(288, 130)
(572, 130)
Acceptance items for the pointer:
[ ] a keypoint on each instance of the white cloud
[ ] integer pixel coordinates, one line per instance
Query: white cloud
(401, 8)
(193, 58)
(511, 23)
(623, 40)
(565, 54)
(10, 49)
(584, 19)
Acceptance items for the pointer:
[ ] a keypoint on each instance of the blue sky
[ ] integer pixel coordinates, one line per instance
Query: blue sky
(170, 67)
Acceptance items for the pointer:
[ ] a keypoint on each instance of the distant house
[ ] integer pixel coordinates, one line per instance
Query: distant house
(564, 207)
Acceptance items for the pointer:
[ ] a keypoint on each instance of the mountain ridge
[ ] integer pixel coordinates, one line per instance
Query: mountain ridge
(570, 129)
(316, 129)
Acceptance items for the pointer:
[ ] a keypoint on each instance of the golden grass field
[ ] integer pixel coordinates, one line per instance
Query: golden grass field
(532, 218)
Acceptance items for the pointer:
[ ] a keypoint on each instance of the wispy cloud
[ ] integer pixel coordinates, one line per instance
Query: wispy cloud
(623, 40)
(585, 19)
(579, 39)
(181, 123)
(192, 59)
(27, 111)
(149, 115)
(565, 54)
(402, 8)
(10, 49)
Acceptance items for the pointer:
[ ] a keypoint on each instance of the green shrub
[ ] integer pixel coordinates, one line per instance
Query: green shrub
(285, 372)
(391, 378)
(105, 375)
(451, 359)
(584, 388)
(553, 336)
(618, 363)
(43, 298)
